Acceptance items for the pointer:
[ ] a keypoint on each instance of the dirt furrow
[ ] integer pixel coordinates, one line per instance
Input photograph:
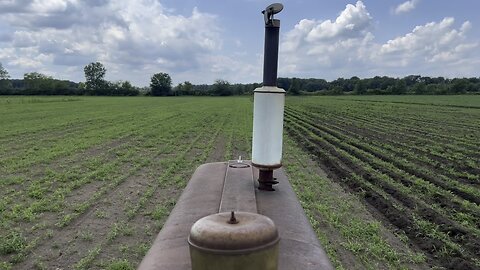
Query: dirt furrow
(399, 218)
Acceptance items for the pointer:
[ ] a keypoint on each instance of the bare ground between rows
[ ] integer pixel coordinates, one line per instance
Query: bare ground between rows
(84, 193)
(412, 103)
(99, 220)
(337, 174)
(145, 227)
(360, 132)
(458, 233)
(367, 133)
(239, 148)
(45, 139)
(364, 133)
(63, 164)
(444, 202)
(441, 200)
(347, 258)
(218, 152)
(77, 195)
(71, 243)
(405, 134)
(391, 215)
(47, 133)
(144, 224)
(428, 124)
(427, 137)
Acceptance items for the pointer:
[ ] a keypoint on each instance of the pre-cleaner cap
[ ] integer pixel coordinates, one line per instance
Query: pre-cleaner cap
(243, 234)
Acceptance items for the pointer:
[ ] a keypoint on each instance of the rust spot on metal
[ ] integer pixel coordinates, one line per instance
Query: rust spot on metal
(269, 167)
(266, 180)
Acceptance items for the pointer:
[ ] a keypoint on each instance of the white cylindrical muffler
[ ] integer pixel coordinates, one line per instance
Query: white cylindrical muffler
(268, 127)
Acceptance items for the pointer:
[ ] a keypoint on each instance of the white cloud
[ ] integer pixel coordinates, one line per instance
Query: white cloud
(436, 43)
(351, 22)
(134, 39)
(329, 44)
(42, 6)
(346, 47)
(406, 6)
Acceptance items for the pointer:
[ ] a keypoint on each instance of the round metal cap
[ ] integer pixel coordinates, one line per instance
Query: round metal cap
(244, 233)
(274, 8)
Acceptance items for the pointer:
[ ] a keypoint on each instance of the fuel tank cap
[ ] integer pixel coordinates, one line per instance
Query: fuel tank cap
(233, 233)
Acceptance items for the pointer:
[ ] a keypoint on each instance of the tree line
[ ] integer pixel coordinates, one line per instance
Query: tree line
(411, 85)
(95, 84)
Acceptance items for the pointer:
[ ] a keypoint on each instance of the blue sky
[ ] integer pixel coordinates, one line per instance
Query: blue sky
(204, 40)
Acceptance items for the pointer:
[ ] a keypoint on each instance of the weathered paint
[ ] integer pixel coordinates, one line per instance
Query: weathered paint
(298, 249)
(240, 241)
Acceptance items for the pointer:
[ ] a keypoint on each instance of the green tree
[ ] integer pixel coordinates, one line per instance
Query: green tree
(95, 78)
(399, 88)
(337, 90)
(161, 84)
(62, 88)
(294, 88)
(81, 86)
(222, 88)
(5, 84)
(127, 86)
(3, 73)
(123, 88)
(38, 83)
(459, 86)
(283, 83)
(360, 87)
(185, 88)
(410, 80)
(419, 88)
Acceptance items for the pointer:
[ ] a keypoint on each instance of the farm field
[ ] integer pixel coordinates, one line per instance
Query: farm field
(86, 183)
(414, 162)
(387, 182)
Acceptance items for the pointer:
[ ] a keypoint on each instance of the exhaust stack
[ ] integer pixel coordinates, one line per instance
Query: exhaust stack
(268, 107)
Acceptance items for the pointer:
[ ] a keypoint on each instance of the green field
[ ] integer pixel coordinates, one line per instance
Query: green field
(387, 182)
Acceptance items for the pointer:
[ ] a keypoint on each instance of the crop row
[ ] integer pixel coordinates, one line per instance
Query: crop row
(420, 187)
(393, 168)
(425, 115)
(443, 153)
(175, 171)
(61, 191)
(461, 146)
(438, 213)
(386, 152)
(380, 193)
(51, 192)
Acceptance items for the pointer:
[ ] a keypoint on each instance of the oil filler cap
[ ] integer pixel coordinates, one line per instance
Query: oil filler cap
(236, 240)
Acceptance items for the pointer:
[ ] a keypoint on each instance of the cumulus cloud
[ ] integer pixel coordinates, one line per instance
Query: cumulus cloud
(346, 47)
(406, 6)
(329, 44)
(137, 37)
(352, 22)
(432, 43)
